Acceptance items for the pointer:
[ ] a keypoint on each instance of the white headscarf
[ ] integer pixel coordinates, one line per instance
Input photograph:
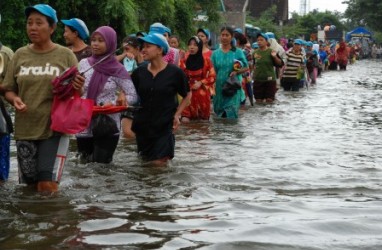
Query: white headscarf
(316, 47)
(274, 45)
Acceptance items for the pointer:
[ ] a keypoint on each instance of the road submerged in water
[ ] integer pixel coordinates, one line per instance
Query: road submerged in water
(303, 173)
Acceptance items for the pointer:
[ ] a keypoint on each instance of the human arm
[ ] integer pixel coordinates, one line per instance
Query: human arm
(78, 83)
(209, 74)
(128, 89)
(184, 91)
(276, 58)
(10, 88)
(239, 55)
(124, 55)
(16, 101)
(184, 103)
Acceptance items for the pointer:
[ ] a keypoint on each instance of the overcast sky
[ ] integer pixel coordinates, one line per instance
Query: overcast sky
(321, 5)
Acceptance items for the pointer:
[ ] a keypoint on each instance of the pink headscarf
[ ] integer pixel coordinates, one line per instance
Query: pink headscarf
(109, 67)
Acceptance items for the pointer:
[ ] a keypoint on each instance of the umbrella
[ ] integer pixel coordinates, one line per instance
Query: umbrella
(249, 89)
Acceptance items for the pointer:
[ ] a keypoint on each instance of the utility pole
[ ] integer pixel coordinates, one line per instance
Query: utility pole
(304, 7)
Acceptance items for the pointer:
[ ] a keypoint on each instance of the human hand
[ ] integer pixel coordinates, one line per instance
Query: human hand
(19, 104)
(197, 85)
(121, 100)
(78, 82)
(274, 53)
(129, 55)
(176, 123)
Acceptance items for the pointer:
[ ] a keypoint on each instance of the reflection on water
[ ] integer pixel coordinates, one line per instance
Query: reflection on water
(303, 173)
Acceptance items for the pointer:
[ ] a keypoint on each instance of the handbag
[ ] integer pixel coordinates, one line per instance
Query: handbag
(231, 86)
(103, 126)
(62, 86)
(71, 115)
(6, 125)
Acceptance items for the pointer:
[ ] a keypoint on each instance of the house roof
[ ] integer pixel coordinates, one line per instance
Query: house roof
(256, 7)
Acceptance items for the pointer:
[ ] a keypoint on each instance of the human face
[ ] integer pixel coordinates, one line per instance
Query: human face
(98, 44)
(174, 42)
(225, 38)
(130, 49)
(38, 29)
(203, 37)
(262, 42)
(297, 47)
(69, 36)
(151, 51)
(193, 47)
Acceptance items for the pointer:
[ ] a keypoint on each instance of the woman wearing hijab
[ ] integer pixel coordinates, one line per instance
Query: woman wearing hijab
(201, 77)
(41, 152)
(223, 60)
(342, 56)
(158, 83)
(101, 84)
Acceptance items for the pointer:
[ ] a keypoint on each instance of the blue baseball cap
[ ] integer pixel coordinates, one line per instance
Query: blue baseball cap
(43, 9)
(159, 28)
(298, 41)
(309, 44)
(255, 46)
(238, 30)
(157, 39)
(263, 35)
(141, 33)
(206, 32)
(270, 35)
(79, 26)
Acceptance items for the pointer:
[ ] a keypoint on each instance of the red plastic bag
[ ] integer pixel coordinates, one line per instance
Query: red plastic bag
(62, 85)
(71, 115)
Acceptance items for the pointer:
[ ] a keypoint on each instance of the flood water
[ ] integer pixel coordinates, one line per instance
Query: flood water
(304, 173)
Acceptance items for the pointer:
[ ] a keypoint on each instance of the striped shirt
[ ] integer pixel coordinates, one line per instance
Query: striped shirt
(294, 61)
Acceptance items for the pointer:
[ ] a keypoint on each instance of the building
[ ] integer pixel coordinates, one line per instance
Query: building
(257, 7)
(234, 11)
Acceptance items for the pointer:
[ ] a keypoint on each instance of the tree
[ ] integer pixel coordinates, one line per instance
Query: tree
(266, 22)
(365, 12)
(315, 18)
(125, 16)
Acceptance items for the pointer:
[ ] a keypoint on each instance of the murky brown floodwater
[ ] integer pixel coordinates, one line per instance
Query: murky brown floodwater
(304, 173)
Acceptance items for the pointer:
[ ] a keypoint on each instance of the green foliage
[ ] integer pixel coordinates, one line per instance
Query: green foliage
(365, 13)
(184, 25)
(266, 22)
(378, 37)
(315, 18)
(125, 16)
(12, 15)
(303, 26)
